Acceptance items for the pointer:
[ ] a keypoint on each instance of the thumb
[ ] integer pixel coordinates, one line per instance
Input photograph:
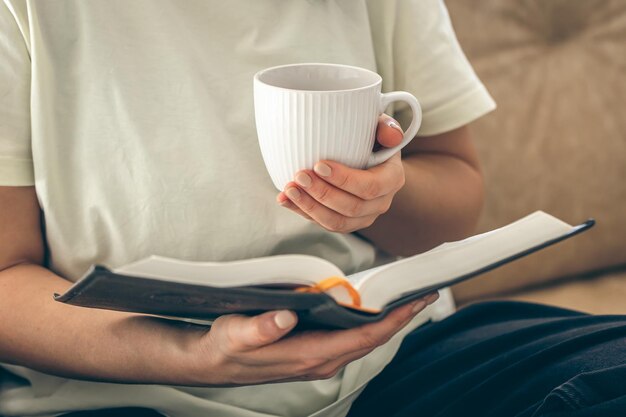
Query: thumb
(245, 333)
(388, 133)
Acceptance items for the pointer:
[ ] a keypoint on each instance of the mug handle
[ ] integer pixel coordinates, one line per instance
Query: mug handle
(384, 154)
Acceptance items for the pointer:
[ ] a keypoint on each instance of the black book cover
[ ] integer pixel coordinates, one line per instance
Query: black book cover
(102, 288)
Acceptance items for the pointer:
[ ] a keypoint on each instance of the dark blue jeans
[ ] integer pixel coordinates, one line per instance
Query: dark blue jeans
(505, 359)
(496, 359)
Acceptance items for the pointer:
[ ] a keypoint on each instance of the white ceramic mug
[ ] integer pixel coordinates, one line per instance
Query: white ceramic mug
(309, 112)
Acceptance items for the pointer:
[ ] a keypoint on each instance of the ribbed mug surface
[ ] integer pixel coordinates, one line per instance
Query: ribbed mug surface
(299, 128)
(306, 113)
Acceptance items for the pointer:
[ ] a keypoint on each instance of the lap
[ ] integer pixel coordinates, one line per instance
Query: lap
(496, 359)
(505, 358)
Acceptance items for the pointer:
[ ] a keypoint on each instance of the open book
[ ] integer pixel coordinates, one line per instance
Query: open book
(316, 289)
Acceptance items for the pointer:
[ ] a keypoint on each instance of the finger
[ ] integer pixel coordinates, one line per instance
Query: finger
(340, 361)
(307, 355)
(238, 333)
(338, 200)
(370, 184)
(388, 132)
(432, 297)
(319, 354)
(300, 357)
(380, 332)
(286, 203)
(324, 216)
(353, 344)
(350, 343)
(328, 369)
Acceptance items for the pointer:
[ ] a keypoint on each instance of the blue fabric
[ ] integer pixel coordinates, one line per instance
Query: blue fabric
(505, 359)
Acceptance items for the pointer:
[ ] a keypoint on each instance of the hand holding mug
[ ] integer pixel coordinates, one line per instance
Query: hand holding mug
(344, 199)
(317, 124)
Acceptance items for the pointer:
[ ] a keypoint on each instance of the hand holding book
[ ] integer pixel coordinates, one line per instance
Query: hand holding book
(259, 349)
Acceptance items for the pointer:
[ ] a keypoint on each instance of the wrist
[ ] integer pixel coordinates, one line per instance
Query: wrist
(162, 351)
(186, 359)
(191, 356)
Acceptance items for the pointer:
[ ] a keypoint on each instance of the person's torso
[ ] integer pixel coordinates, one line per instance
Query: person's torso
(144, 138)
(144, 142)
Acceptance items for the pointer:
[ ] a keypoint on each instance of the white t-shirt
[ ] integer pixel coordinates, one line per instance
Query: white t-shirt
(134, 120)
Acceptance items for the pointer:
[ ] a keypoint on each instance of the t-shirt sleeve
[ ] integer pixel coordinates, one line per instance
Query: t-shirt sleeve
(16, 164)
(417, 51)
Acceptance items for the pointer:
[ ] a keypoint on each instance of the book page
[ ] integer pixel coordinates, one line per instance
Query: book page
(455, 259)
(280, 269)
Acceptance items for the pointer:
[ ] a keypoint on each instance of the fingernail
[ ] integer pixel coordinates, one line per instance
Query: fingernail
(322, 169)
(431, 298)
(418, 306)
(393, 124)
(292, 193)
(284, 319)
(280, 200)
(303, 179)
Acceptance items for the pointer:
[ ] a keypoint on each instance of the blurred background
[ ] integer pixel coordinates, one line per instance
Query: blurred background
(557, 142)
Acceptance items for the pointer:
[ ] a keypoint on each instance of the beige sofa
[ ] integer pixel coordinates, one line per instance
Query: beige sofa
(557, 142)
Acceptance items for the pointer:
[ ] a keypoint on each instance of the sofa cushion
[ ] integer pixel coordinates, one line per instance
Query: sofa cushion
(604, 294)
(558, 139)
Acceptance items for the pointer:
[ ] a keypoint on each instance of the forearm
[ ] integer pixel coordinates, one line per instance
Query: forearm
(440, 201)
(40, 333)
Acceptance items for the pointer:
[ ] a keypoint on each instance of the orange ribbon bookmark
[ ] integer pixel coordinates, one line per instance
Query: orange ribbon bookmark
(333, 282)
